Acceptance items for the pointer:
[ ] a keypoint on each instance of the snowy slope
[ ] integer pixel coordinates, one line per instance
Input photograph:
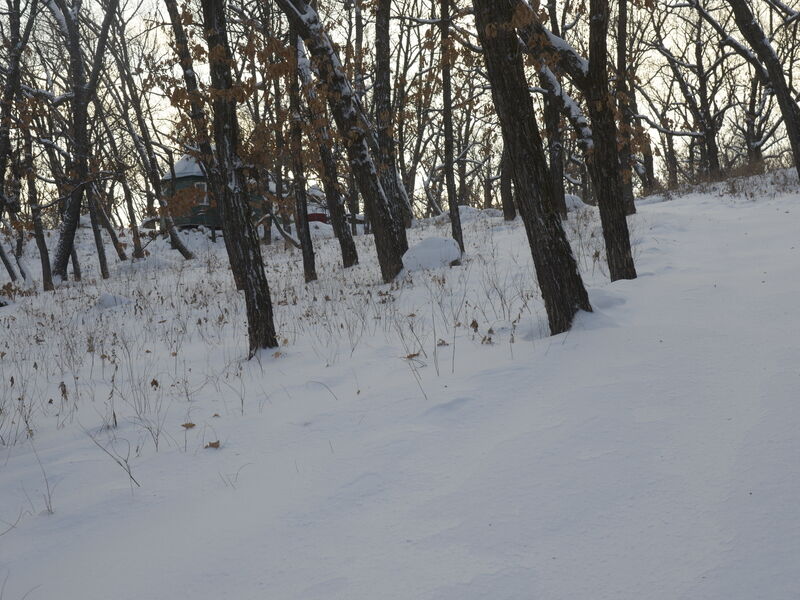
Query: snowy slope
(385, 452)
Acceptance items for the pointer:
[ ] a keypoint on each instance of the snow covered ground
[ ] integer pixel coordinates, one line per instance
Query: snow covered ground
(422, 440)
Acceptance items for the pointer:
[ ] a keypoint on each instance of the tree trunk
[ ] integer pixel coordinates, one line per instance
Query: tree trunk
(330, 171)
(755, 157)
(12, 274)
(240, 234)
(145, 149)
(671, 158)
(555, 149)
(487, 191)
(710, 149)
(389, 234)
(358, 84)
(625, 115)
(15, 39)
(94, 219)
(506, 186)
(280, 144)
(126, 190)
(301, 202)
(36, 214)
(83, 89)
(76, 265)
(352, 202)
(447, 114)
(109, 227)
(602, 153)
(335, 202)
(752, 32)
(384, 117)
(554, 135)
(649, 183)
(138, 252)
(72, 212)
(559, 280)
(603, 159)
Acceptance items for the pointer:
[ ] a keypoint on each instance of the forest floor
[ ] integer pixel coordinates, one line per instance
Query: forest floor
(422, 440)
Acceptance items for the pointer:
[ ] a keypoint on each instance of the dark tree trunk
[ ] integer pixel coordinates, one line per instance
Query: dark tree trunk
(10, 202)
(649, 183)
(335, 202)
(94, 219)
(755, 158)
(63, 192)
(603, 160)
(298, 169)
(352, 202)
(138, 252)
(76, 265)
(147, 154)
(19, 246)
(487, 191)
(752, 32)
(83, 89)
(12, 274)
(555, 150)
(384, 117)
(463, 193)
(72, 212)
(36, 215)
(602, 155)
(109, 227)
(16, 40)
(507, 187)
(240, 234)
(330, 171)
(710, 150)
(280, 144)
(447, 115)
(559, 280)
(671, 158)
(126, 190)
(554, 135)
(552, 121)
(625, 115)
(389, 233)
(358, 85)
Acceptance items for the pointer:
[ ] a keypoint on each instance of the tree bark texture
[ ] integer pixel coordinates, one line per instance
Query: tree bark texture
(298, 169)
(507, 187)
(330, 170)
(557, 273)
(83, 87)
(752, 32)
(604, 156)
(240, 234)
(386, 158)
(447, 124)
(389, 233)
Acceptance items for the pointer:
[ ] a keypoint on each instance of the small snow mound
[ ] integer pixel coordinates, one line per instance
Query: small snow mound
(492, 213)
(321, 230)
(468, 213)
(604, 299)
(431, 253)
(111, 301)
(574, 202)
